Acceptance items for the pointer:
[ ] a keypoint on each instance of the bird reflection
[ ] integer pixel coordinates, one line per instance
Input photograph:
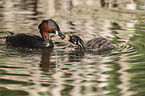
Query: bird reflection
(75, 56)
(45, 64)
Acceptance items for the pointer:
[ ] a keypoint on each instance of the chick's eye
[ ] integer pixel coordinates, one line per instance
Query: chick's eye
(73, 38)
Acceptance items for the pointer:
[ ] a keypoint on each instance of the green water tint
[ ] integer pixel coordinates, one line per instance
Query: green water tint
(65, 71)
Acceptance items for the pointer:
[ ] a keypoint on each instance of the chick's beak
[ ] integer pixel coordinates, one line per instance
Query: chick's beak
(67, 38)
(59, 33)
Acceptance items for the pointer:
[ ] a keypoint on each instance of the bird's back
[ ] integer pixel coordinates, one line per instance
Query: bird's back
(23, 40)
(99, 44)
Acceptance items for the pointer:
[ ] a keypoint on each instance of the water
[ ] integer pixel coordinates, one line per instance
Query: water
(64, 71)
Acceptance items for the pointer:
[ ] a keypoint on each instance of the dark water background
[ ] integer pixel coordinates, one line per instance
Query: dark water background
(63, 71)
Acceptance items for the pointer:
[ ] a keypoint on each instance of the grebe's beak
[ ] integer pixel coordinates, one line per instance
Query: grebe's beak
(59, 33)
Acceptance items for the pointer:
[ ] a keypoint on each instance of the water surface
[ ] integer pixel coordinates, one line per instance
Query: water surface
(64, 71)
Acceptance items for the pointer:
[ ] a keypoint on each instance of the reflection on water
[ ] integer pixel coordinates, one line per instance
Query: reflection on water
(65, 71)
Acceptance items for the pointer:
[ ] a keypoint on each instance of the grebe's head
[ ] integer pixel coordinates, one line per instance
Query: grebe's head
(49, 26)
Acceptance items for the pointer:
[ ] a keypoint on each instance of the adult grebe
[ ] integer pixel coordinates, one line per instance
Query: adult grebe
(28, 41)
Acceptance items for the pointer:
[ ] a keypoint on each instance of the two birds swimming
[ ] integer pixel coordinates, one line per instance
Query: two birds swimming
(50, 26)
